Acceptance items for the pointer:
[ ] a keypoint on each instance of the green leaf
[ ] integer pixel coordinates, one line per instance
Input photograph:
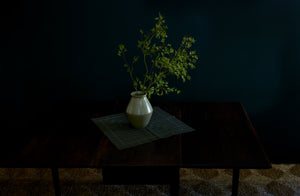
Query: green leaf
(135, 59)
(119, 53)
(121, 46)
(135, 84)
(160, 16)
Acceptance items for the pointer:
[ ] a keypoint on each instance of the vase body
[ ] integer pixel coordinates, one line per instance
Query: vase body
(139, 110)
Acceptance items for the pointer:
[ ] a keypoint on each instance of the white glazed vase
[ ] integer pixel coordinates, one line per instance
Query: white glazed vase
(139, 109)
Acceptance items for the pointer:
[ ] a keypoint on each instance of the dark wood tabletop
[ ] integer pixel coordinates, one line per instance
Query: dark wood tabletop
(224, 138)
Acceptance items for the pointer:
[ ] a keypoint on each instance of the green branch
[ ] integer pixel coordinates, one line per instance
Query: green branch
(165, 60)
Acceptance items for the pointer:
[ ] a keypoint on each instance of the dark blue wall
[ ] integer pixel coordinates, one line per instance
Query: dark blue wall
(249, 51)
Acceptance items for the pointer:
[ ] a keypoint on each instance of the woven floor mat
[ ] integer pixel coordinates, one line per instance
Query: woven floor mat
(282, 179)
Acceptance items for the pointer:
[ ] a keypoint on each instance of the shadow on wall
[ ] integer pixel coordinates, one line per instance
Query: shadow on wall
(262, 37)
(278, 126)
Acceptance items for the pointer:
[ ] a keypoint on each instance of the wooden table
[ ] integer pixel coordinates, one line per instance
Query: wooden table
(224, 138)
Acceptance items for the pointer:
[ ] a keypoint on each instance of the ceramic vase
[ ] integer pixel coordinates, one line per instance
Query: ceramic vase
(139, 110)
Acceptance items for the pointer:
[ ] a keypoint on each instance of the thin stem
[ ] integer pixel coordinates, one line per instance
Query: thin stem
(130, 70)
(149, 86)
(146, 66)
(145, 61)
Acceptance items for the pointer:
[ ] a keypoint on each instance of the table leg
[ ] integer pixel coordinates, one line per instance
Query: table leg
(174, 189)
(235, 181)
(55, 177)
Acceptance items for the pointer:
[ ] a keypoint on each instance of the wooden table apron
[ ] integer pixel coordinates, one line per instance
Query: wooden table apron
(224, 138)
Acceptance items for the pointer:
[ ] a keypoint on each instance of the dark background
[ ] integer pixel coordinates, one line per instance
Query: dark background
(55, 52)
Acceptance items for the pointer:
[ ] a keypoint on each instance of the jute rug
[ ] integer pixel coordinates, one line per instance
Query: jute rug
(281, 180)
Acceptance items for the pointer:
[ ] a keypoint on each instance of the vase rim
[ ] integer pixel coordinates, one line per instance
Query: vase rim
(138, 94)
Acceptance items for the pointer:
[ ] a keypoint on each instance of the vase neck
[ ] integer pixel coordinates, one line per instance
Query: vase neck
(138, 94)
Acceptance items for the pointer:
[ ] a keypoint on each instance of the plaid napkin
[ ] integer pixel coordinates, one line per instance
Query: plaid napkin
(120, 132)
